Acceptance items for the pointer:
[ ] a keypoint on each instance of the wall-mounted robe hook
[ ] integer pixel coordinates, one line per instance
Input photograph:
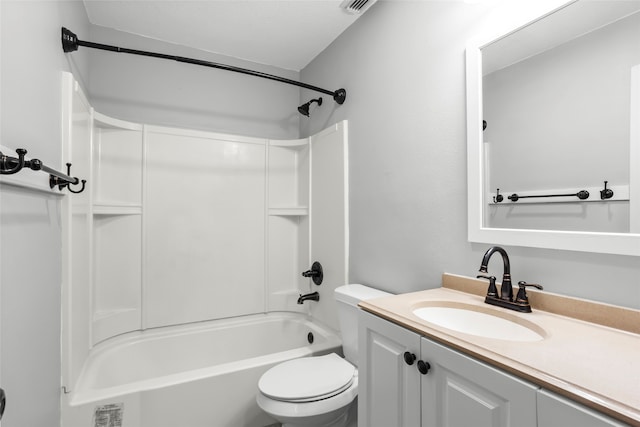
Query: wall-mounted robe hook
(607, 193)
(84, 181)
(498, 197)
(65, 183)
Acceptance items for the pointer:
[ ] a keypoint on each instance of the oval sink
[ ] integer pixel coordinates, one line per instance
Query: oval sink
(474, 320)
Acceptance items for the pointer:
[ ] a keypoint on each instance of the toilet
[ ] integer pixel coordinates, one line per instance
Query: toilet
(319, 390)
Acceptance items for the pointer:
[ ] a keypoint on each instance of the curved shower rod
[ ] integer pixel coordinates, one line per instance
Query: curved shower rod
(70, 43)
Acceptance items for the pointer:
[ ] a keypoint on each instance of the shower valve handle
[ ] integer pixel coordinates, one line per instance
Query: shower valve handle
(315, 273)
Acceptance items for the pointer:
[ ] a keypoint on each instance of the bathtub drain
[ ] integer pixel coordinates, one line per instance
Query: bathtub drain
(310, 337)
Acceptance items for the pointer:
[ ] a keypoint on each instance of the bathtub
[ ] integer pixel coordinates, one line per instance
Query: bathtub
(196, 375)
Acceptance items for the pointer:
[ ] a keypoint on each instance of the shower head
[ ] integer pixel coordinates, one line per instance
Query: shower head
(304, 108)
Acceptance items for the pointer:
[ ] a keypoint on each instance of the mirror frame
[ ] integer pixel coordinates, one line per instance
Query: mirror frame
(598, 242)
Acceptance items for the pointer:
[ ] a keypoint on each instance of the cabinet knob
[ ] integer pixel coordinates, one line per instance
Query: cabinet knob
(423, 367)
(409, 358)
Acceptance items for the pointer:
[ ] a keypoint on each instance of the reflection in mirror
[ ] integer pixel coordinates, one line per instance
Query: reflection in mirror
(558, 119)
(561, 101)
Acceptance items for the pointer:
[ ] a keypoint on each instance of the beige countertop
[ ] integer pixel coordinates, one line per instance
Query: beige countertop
(590, 351)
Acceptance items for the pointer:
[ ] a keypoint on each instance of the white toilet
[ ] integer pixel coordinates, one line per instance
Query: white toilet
(319, 391)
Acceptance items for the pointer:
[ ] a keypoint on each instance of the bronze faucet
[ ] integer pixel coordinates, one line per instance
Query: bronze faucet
(505, 300)
(314, 296)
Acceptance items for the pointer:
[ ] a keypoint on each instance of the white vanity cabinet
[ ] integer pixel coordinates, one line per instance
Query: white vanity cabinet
(461, 391)
(388, 388)
(558, 411)
(455, 391)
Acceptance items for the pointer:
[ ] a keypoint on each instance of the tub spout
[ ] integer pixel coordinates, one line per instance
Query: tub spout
(314, 296)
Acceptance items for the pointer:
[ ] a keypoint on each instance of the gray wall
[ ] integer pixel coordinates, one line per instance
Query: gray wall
(403, 66)
(30, 258)
(156, 91)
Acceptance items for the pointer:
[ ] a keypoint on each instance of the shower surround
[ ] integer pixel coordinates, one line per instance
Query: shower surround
(179, 227)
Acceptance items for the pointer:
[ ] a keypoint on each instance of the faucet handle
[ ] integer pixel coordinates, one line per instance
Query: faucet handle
(492, 291)
(522, 298)
(315, 273)
(523, 284)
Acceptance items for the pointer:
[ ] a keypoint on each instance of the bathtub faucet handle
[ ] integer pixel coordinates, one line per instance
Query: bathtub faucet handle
(315, 273)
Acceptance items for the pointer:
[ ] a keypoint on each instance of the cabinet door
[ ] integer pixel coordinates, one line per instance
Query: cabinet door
(389, 388)
(459, 391)
(556, 411)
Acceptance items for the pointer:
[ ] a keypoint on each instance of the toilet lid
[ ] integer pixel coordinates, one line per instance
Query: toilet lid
(308, 378)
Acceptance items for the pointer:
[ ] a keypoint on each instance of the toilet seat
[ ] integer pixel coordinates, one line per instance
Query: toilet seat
(308, 379)
(294, 412)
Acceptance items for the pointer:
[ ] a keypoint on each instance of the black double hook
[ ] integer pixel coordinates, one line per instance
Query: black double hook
(11, 165)
(64, 183)
(498, 197)
(607, 193)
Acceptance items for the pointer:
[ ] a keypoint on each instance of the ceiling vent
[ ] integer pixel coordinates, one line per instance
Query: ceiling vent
(357, 6)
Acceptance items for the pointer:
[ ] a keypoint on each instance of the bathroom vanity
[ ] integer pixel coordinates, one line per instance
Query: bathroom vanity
(568, 372)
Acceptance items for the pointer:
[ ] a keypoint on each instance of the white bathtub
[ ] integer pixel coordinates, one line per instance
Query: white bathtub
(198, 375)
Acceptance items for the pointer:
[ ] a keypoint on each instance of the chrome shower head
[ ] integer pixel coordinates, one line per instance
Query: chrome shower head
(304, 108)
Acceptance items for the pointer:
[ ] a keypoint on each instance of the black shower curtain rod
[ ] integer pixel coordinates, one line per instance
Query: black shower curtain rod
(70, 43)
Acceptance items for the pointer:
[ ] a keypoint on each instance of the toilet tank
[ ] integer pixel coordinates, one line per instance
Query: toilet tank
(348, 297)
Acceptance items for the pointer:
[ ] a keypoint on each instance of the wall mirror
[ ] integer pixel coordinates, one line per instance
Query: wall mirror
(553, 111)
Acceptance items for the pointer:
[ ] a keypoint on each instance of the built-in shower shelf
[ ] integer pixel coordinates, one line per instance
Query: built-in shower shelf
(117, 209)
(290, 211)
(294, 144)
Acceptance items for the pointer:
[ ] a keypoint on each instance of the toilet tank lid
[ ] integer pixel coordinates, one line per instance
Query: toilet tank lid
(354, 293)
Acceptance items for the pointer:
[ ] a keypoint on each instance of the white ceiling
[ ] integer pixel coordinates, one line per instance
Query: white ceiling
(283, 33)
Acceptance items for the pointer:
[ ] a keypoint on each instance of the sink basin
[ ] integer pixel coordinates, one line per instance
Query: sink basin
(479, 321)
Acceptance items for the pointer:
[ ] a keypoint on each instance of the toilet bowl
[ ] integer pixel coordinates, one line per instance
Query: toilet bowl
(319, 391)
(311, 391)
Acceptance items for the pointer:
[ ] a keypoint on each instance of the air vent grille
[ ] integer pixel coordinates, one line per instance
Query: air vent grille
(357, 6)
